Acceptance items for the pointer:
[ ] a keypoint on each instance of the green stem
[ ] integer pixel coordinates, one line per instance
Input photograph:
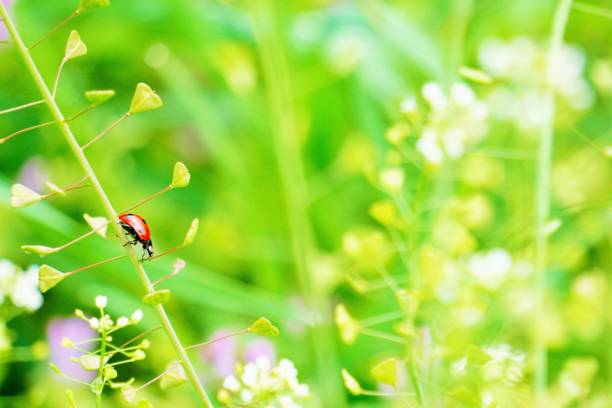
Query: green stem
(101, 367)
(287, 151)
(110, 211)
(542, 199)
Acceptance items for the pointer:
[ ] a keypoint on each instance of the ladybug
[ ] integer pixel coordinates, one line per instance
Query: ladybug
(136, 227)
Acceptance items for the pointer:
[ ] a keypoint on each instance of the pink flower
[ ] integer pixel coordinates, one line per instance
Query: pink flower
(76, 330)
(3, 32)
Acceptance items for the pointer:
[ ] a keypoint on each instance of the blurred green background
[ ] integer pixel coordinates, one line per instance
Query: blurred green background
(280, 111)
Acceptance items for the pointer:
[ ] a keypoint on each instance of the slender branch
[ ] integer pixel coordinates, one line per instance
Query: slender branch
(594, 10)
(54, 29)
(384, 336)
(82, 237)
(44, 124)
(108, 207)
(93, 265)
(24, 106)
(141, 335)
(149, 198)
(542, 201)
(19, 132)
(57, 77)
(209, 342)
(105, 131)
(383, 318)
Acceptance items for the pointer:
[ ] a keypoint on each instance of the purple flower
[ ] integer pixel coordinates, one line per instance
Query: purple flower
(222, 353)
(3, 32)
(76, 330)
(260, 348)
(33, 174)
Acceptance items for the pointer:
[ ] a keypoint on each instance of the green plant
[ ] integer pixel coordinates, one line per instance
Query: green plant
(144, 99)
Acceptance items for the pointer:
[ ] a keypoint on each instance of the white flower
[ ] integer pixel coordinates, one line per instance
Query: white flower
(302, 390)
(276, 387)
(246, 396)
(7, 273)
(94, 323)
(522, 103)
(455, 122)
(506, 366)
(101, 302)
(490, 269)
(231, 383)
(136, 316)
(123, 321)
(286, 370)
(249, 375)
(392, 179)
(25, 291)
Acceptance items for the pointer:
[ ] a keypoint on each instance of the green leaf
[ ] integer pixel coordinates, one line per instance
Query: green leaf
(54, 188)
(174, 376)
(48, 277)
(386, 372)
(475, 75)
(145, 99)
(86, 5)
(75, 47)
(21, 196)
(55, 369)
(70, 397)
(180, 176)
(98, 97)
(90, 362)
(98, 224)
(351, 383)
(40, 250)
(191, 232)
(349, 327)
(143, 403)
(263, 327)
(158, 297)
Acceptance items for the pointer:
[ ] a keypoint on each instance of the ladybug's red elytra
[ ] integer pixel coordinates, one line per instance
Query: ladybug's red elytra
(136, 227)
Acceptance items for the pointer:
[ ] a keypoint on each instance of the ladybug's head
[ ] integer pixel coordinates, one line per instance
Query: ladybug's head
(148, 246)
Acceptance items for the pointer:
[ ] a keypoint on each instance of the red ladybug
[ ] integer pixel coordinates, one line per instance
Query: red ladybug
(138, 230)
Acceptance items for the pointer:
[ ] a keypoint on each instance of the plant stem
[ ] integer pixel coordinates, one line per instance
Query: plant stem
(542, 198)
(24, 106)
(110, 211)
(289, 161)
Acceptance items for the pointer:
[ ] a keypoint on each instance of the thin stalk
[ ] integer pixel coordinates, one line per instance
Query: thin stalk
(289, 161)
(82, 237)
(44, 124)
(105, 131)
(58, 76)
(385, 336)
(542, 201)
(101, 367)
(54, 29)
(20, 107)
(383, 318)
(19, 132)
(149, 198)
(594, 10)
(93, 265)
(209, 342)
(108, 207)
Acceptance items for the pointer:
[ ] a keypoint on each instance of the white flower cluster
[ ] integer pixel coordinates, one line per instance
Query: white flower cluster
(105, 323)
(506, 366)
(522, 63)
(455, 122)
(20, 286)
(493, 268)
(260, 384)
